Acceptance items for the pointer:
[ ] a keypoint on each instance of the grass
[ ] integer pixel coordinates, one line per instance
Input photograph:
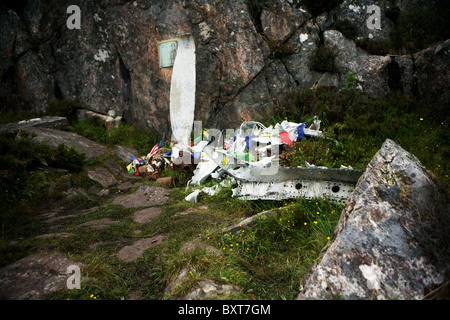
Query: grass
(268, 260)
(361, 124)
(125, 134)
(278, 251)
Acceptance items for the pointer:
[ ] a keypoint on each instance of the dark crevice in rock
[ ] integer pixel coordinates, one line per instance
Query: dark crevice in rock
(394, 76)
(246, 85)
(290, 73)
(57, 91)
(126, 79)
(415, 88)
(255, 9)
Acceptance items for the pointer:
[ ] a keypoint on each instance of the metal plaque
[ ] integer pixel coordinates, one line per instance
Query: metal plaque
(167, 53)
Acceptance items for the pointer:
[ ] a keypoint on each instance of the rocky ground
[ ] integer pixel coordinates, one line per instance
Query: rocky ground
(44, 271)
(39, 274)
(389, 243)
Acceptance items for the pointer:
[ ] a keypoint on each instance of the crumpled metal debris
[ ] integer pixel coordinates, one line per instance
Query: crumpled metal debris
(252, 160)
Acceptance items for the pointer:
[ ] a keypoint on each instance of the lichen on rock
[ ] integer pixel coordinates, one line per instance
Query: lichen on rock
(381, 249)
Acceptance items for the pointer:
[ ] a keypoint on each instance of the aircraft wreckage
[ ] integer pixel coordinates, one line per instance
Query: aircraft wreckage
(265, 179)
(251, 157)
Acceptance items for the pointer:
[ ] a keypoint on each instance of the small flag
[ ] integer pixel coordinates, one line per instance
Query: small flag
(157, 146)
(285, 138)
(154, 150)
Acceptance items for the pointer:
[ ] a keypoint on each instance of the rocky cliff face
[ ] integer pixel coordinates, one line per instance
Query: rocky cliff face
(248, 53)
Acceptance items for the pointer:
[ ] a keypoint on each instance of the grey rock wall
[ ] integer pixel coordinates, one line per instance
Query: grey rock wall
(111, 62)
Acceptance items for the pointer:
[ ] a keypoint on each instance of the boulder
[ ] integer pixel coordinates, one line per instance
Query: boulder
(392, 240)
(124, 152)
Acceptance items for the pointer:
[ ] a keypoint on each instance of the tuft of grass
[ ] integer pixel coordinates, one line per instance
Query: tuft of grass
(22, 160)
(279, 49)
(323, 60)
(417, 29)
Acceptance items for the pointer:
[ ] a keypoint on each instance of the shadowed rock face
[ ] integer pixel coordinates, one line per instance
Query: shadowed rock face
(389, 242)
(112, 62)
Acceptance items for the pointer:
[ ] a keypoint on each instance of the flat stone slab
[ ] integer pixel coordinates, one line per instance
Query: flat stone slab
(99, 223)
(208, 289)
(191, 246)
(145, 196)
(44, 122)
(102, 176)
(137, 249)
(35, 276)
(59, 218)
(54, 235)
(56, 137)
(146, 215)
